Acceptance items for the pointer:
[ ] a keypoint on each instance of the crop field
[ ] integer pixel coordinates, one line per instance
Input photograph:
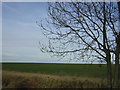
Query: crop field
(86, 70)
(52, 75)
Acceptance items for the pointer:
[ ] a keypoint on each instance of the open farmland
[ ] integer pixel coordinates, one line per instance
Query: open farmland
(48, 75)
(86, 70)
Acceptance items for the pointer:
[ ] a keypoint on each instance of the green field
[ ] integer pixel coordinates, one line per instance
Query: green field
(86, 70)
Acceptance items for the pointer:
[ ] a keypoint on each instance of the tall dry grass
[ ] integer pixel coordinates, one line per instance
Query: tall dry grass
(12, 79)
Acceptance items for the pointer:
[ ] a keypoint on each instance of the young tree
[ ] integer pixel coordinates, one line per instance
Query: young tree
(83, 30)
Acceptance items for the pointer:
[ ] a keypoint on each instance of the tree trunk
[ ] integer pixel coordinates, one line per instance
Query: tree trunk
(116, 81)
(109, 71)
(108, 56)
(117, 53)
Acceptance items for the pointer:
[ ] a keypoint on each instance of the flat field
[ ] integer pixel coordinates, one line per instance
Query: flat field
(86, 70)
(52, 75)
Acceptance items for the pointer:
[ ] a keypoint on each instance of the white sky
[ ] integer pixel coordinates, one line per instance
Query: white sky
(21, 34)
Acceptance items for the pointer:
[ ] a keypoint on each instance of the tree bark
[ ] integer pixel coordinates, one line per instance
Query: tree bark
(116, 82)
(117, 53)
(109, 71)
(108, 56)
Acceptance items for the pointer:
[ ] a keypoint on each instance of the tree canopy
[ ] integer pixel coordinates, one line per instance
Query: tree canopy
(84, 30)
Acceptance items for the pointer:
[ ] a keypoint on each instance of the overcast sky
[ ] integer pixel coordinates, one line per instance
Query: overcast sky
(21, 34)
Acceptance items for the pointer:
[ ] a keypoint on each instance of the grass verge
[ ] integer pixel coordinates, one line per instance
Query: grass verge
(13, 79)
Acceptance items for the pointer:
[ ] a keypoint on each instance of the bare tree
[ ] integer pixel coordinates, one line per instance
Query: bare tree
(117, 51)
(82, 30)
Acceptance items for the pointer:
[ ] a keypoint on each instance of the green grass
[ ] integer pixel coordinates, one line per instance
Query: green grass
(86, 70)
